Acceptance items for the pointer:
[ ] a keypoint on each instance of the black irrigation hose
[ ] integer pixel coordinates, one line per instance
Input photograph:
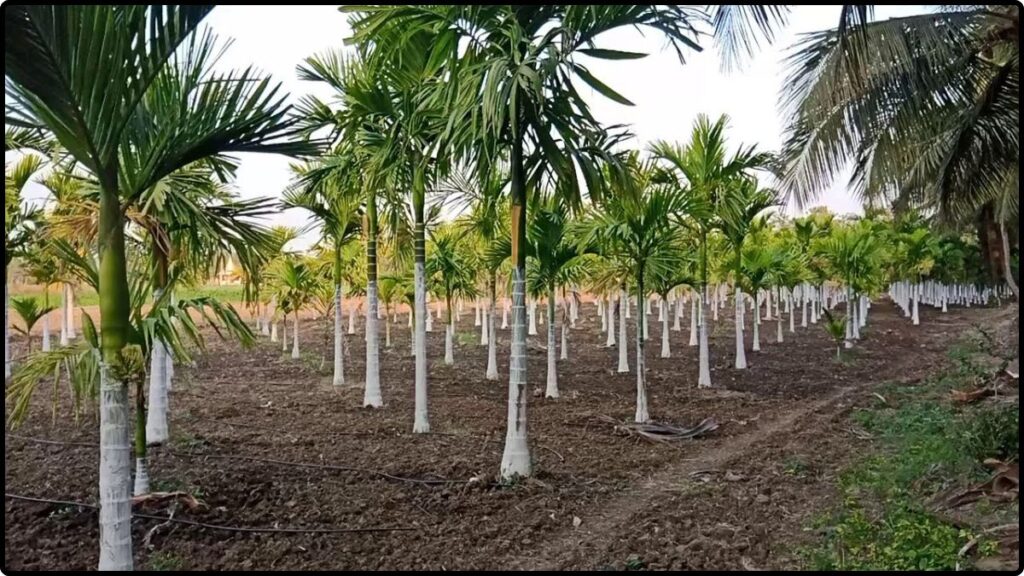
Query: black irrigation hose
(214, 526)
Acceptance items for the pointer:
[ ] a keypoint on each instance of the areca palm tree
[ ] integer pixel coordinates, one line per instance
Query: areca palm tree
(739, 212)
(338, 215)
(30, 312)
(925, 109)
(296, 283)
(162, 109)
(637, 225)
(704, 168)
(452, 270)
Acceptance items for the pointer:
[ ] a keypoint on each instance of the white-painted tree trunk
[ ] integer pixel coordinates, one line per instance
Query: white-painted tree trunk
(504, 316)
(666, 351)
(71, 312)
(564, 355)
(339, 339)
(757, 332)
(678, 313)
(295, 337)
(610, 311)
(115, 474)
(741, 353)
(515, 460)
(141, 477)
(694, 340)
(352, 318)
(156, 414)
(792, 314)
(492, 344)
(371, 394)
(915, 293)
(273, 332)
(483, 328)
(421, 415)
(64, 308)
(642, 414)
(284, 334)
(449, 345)
(533, 318)
(476, 315)
(552, 384)
(46, 333)
(778, 325)
(803, 306)
(601, 312)
(704, 374)
(623, 354)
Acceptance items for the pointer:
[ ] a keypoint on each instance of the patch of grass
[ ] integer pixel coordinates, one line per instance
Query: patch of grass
(794, 466)
(924, 444)
(165, 562)
(635, 563)
(467, 338)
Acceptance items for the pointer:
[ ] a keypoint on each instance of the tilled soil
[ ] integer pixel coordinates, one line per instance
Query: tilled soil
(243, 420)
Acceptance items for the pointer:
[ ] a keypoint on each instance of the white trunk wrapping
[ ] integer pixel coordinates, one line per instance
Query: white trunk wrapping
(295, 337)
(115, 475)
(610, 311)
(339, 340)
(694, 340)
(492, 344)
(515, 461)
(156, 414)
(371, 394)
(421, 414)
(666, 352)
(141, 478)
(641, 378)
(741, 353)
(623, 345)
(704, 375)
(552, 385)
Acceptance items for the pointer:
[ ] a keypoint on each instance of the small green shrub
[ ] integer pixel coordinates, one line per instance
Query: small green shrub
(991, 432)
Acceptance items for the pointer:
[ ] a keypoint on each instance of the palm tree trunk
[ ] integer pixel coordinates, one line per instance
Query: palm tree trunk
(666, 352)
(449, 336)
(371, 393)
(295, 336)
(421, 418)
(552, 386)
(704, 375)
(693, 322)
(741, 353)
(46, 320)
(515, 460)
(273, 332)
(339, 337)
(623, 308)
(141, 458)
(64, 315)
(610, 311)
(483, 324)
(756, 321)
(492, 345)
(115, 427)
(71, 312)
(641, 378)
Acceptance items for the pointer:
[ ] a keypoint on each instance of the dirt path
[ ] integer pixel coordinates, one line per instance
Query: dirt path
(598, 531)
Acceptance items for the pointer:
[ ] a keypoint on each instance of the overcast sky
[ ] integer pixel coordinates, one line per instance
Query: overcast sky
(668, 95)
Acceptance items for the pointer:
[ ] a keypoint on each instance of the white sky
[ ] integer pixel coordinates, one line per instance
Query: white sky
(668, 95)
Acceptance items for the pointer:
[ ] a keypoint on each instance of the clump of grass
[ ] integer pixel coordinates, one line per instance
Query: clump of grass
(924, 444)
(165, 562)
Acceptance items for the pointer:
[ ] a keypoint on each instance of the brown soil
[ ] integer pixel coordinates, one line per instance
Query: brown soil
(730, 500)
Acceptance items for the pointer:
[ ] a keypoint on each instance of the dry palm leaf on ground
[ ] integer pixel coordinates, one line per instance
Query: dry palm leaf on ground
(662, 432)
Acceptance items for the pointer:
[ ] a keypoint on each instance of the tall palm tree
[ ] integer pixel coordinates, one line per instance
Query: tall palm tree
(162, 109)
(338, 215)
(637, 225)
(703, 167)
(522, 64)
(406, 126)
(451, 268)
(925, 109)
(739, 212)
